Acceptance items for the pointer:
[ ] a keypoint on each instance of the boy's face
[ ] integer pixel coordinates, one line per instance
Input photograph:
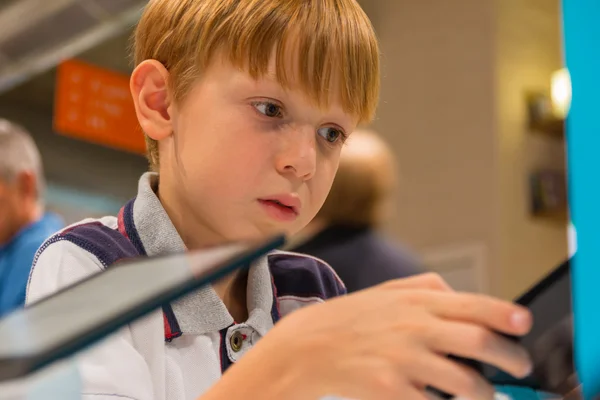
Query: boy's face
(242, 158)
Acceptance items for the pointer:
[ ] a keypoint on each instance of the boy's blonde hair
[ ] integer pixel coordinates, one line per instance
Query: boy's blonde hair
(331, 38)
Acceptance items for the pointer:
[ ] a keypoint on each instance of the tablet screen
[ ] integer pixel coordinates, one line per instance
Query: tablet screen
(74, 317)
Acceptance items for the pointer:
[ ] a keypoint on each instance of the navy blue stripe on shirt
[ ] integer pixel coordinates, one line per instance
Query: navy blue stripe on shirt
(172, 331)
(225, 361)
(108, 245)
(301, 276)
(130, 228)
(275, 314)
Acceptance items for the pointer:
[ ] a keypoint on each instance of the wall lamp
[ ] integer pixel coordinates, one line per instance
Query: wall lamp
(547, 113)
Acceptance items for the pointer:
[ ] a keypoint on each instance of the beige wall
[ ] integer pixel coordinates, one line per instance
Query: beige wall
(528, 51)
(437, 112)
(452, 108)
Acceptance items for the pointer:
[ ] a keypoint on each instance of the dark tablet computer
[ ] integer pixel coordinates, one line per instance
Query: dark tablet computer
(550, 341)
(79, 315)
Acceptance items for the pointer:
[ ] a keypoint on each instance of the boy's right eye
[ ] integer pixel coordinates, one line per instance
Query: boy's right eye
(268, 109)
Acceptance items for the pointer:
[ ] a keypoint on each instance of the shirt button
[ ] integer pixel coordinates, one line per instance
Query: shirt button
(236, 341)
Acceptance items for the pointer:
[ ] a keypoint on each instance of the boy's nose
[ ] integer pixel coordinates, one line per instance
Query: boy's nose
(298, 155)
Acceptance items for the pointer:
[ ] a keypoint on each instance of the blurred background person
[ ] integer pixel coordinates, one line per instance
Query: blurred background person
(345, 231)
(23, 223)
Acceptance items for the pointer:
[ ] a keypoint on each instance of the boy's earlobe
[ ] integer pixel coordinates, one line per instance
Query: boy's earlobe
(149, 87)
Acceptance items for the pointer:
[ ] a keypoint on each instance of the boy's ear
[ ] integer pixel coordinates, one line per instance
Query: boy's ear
(149, 87)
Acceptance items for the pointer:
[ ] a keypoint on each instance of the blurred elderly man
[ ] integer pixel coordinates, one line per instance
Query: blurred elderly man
(345, 231)
(23, 224)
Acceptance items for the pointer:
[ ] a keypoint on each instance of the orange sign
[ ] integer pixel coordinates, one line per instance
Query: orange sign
(95, 105)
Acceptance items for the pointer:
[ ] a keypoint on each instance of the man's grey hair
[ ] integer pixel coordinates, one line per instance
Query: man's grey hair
(19, 153)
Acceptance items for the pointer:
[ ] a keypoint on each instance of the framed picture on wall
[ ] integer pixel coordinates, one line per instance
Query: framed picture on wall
(548, 194)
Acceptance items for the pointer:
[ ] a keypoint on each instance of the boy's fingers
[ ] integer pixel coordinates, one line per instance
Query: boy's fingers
(425, 281)
(411, 393)
(497, 315)
(451, 377)
(477, 343)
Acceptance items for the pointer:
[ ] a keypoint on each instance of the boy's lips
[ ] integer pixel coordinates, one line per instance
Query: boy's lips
(285, 207)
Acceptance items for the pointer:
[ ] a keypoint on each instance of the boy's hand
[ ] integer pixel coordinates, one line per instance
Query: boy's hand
(391, 342)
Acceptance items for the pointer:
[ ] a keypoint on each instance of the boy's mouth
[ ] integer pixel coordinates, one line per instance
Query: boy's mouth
(280, 204)
(283, 208)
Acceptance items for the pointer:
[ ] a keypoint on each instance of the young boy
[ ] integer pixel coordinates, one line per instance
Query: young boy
(245, 105)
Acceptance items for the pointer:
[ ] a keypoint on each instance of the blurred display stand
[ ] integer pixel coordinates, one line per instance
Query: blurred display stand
(75, 205)
(462, 265)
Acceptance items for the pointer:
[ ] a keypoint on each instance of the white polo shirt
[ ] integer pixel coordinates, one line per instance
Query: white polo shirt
(180, 351)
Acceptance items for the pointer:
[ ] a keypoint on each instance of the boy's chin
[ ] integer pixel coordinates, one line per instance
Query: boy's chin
(266, 233)
(252, 236)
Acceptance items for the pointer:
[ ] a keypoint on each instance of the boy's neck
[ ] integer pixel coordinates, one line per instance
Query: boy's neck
(232, 291)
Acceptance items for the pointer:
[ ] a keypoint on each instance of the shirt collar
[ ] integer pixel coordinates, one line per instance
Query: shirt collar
(202, 311)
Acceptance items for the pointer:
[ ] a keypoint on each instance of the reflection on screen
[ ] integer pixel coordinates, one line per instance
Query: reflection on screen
(550, 341)
(87, 305)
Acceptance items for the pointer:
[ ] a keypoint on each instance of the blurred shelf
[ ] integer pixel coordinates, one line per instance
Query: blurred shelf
(559, 216)
(554, 128)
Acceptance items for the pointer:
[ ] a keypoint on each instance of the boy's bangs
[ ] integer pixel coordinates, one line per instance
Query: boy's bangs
(319, 45)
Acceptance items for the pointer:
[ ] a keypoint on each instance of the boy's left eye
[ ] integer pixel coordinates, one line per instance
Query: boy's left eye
(330, 134)
(269, 109)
